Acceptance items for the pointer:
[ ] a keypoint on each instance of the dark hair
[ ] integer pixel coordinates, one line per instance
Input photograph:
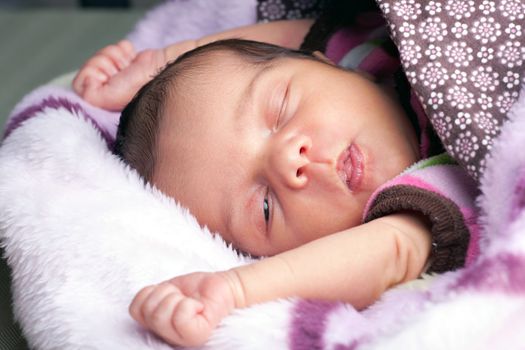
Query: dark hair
(139, 126)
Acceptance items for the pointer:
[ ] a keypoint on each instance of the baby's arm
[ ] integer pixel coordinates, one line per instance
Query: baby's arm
(355, 265)
(113, 75)
(282, 33)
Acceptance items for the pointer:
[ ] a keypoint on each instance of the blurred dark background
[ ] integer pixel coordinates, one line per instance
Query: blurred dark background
(77, 3)
(42, 39)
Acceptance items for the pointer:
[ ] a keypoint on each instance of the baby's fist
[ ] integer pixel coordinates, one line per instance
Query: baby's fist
(113, 76)
(185, 310)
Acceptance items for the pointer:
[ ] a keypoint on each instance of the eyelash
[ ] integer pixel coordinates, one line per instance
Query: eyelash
(266, 208)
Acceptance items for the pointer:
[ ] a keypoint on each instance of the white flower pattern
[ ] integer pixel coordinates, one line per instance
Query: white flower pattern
(433, 51)
(505, 101)
(513, 30)
(486, 122)
(466, 59)
(459, 30)
(511, 54)
(410, 52)
(487, 7)
(484, 78)
(443, 124)
(458, 53)
(485, 101)
(485, 54)
(460, 8)
(272, 10)
(433, 74)
(407, 29)
(511, 79)
(459, 76)
(513, 9)
(435, 100)
(486, 29)
(407, 9)
(466, 145)
(460, 97)
(433, 29)
(433, 7)
(463, 120)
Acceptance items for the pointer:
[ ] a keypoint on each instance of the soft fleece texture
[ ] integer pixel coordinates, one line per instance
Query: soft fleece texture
(82, 234)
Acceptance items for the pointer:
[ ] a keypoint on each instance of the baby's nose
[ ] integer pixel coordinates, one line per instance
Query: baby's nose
(290, 161)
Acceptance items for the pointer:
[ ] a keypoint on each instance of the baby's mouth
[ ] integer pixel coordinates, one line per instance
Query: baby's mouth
(350, 167)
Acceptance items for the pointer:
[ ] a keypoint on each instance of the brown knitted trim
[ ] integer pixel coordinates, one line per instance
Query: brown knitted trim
(450, 234)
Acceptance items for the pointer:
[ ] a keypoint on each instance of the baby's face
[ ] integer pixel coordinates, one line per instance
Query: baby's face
(272, 157)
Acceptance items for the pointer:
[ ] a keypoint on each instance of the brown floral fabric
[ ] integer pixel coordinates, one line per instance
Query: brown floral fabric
(465, 59)
(273, 10)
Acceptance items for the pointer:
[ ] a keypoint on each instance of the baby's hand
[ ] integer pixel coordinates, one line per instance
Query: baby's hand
(113, 75)
(186, 309)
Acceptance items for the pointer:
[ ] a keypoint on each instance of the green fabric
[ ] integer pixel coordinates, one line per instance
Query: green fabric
(440, 159)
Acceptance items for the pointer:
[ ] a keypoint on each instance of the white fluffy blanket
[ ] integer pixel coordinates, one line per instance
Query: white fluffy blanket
(82, 235)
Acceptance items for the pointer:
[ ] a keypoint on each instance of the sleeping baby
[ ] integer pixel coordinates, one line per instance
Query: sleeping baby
(287, 157)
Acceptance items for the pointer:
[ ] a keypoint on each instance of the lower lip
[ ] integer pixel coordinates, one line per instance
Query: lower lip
(350, 167)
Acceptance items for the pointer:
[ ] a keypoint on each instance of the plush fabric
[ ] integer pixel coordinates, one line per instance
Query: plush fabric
(177, 20)
(82, 234)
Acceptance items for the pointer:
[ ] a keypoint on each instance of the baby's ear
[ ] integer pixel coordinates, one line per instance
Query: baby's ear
(323, 58)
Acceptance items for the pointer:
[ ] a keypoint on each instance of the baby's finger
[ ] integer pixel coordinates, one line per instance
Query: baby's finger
(128, 49)
(155, 298)
(88, 75)
(104, 64)
(160, 320)
(135, 308)
(190, 324)
(117, 55)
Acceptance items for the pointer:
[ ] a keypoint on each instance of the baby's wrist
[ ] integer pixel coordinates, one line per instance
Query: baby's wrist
(234, 281)
(173, 51)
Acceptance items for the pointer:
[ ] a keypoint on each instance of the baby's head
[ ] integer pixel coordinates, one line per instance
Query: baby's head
(270, 147)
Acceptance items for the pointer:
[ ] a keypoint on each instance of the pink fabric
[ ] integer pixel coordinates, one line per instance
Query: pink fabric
(471, 217)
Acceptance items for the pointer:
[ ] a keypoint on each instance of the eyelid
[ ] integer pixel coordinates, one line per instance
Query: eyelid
(274, 102)
(284, 104)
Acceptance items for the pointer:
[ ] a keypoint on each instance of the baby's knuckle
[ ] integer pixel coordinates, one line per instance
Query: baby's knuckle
(110, 48)
(165, 286)
(157, 320)
(145, 291)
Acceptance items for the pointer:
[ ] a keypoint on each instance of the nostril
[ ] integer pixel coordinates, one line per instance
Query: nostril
(302, 150)
(299, 172)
